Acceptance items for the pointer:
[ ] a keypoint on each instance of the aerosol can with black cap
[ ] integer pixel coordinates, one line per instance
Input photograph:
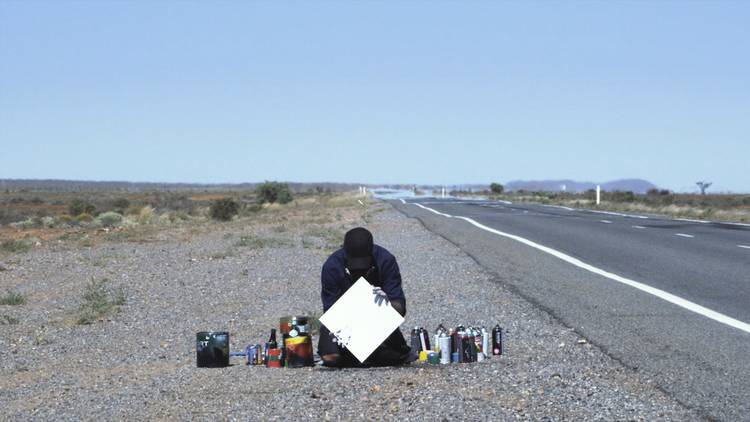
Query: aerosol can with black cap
(497, 340)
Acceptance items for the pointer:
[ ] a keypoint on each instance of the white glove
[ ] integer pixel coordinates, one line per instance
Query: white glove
(380, 296)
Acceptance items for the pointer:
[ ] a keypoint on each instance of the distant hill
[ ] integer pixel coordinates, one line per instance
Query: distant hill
(634, 185)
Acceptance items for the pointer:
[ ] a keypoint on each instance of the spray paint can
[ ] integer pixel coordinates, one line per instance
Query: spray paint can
(424, 337)
(250, 355)
(467, 344)
(439, 331)
(497, 340)
(259, 357)
(485, 343)
(444, 345)
(458, 344)
(414, 341)
(478, 345)
(472, 345)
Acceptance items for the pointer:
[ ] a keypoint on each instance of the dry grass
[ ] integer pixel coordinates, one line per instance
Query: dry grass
(734, 208)
(12, 299)
(99, 302)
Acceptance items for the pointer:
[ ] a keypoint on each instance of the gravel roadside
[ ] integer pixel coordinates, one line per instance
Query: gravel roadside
(141, 362)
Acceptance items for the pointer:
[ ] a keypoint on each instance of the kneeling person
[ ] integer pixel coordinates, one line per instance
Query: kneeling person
(360, 257)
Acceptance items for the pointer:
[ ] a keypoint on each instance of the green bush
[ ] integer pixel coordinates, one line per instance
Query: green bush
(84, 217)
(497, 188)
(99, 302)
(224, 209)
(79, 206)
(15, 246)
(108, 219)
(274, 192)
(121, 204)
(13, 299)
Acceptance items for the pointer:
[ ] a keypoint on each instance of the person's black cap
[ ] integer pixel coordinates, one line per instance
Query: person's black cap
(358, 248)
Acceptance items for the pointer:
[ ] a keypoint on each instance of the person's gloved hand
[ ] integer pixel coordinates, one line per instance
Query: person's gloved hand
(380, 296)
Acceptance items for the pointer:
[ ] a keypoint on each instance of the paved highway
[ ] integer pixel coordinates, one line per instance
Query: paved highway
(667, 297)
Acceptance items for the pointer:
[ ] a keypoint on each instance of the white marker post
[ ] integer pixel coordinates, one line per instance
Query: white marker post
(598, 194)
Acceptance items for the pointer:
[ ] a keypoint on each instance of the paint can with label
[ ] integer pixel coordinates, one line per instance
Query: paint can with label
(273, 358)
(212, 349)
(299, 352)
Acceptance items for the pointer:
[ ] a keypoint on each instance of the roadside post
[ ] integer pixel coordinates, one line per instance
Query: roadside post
(598, 194)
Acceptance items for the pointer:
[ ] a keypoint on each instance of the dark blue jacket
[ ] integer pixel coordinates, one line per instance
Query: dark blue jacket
(335, 281)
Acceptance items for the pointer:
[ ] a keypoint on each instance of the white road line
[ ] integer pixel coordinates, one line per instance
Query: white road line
(605, 221)
(743, 246)
(504, 202)
(692, 220)
(638, 227)
(619, 214)
(560, 206)
(684, 235)
(430, 209)
(661, 294)
(402, 201)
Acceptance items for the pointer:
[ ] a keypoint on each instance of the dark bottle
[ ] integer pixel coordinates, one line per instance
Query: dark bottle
(272, 341)
(497, 340)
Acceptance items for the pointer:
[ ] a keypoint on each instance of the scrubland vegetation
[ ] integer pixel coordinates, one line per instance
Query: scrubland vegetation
(30, 219)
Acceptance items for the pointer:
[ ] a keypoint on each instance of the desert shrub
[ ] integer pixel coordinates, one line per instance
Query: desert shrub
(121, 204)
(16, 246)
(12, 299)
(108, 219)
(145, 215)
(178, 216)
(65, 219)
(274, 192)
(250, 209)
(29, 223)
(496, 188)
(84, 217)
(224, 209)
(619, 196)
(99, 302)
(79, 206)
(9, 216)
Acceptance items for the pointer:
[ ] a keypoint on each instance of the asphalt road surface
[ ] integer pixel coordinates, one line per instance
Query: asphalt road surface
(670, 297)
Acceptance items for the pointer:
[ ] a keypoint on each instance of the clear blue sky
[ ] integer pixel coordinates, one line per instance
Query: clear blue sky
(415, 92)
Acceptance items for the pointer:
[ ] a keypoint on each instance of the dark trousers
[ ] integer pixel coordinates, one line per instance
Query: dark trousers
(392, 352)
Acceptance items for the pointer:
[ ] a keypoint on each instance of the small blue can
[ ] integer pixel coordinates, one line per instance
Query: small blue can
(454, 357)
(250, 352)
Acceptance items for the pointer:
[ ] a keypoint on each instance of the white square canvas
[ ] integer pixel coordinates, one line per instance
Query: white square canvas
(358, 322)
